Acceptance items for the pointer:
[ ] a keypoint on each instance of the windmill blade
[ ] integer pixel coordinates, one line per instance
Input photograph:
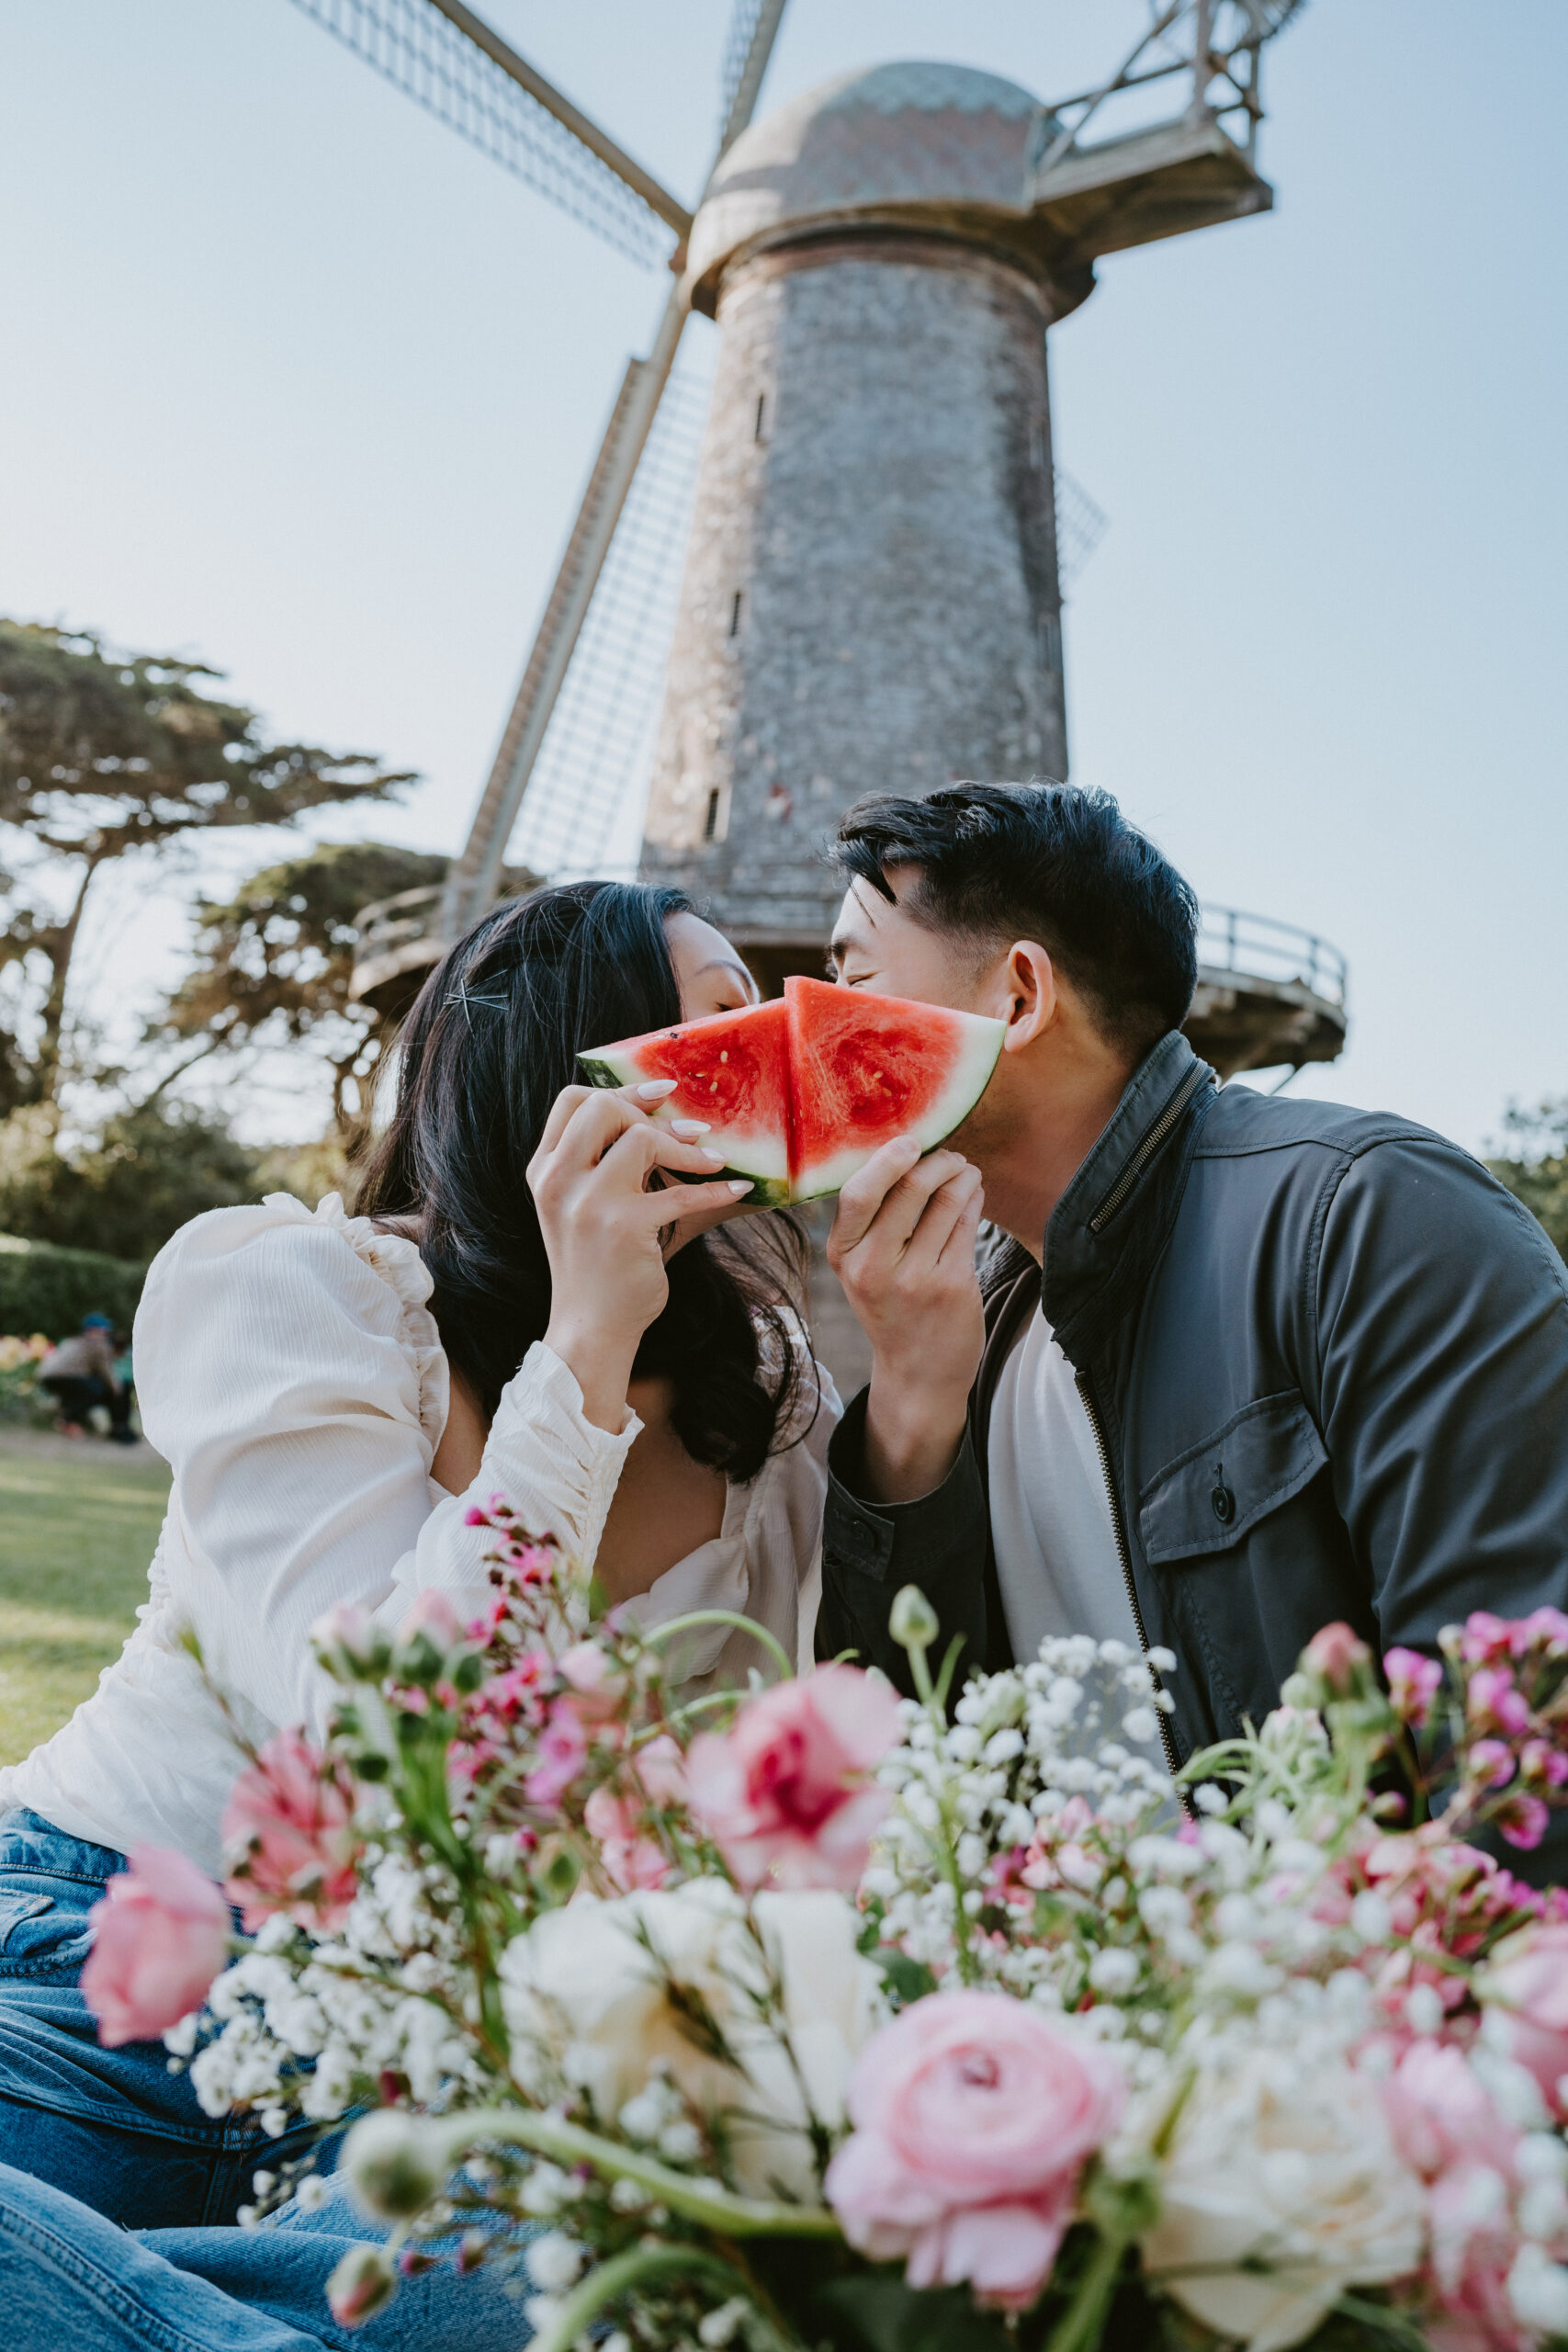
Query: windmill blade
(471, 884)
(456, 66)
(474, 877)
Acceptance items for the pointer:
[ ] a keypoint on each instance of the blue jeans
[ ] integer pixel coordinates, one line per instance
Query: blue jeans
(112, 2128)
(70, 2281)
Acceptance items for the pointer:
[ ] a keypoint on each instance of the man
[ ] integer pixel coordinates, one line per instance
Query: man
(81, 1372)
(1235, 1366)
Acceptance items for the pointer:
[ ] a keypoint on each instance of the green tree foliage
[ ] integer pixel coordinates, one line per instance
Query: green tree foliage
(102, 754)
(151, 1171)
(1536, 1170)
(273, 966)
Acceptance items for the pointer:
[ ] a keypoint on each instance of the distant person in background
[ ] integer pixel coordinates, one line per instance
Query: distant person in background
(82, 1373)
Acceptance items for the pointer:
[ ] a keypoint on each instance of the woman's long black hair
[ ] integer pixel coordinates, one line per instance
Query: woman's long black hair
(492, 1040)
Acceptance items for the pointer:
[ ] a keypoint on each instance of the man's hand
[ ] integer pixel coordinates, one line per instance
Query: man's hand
(903, 1247)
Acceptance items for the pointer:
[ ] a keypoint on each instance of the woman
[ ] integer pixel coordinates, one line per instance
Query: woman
(519, 1309)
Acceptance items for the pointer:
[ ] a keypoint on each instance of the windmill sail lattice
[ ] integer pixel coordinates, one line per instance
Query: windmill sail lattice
(594, 764)
(437, 65)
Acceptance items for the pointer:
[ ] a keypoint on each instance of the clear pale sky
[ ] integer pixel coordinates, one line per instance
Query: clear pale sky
(296, 382)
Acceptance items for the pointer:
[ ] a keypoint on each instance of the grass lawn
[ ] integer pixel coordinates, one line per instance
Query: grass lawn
(78, 1524)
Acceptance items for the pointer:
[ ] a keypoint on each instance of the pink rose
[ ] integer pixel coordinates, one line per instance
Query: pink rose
(160, 1935)
(288, 1837)
(1526, 1983)
(974, 2115)
(1338, 1656)
(784, 1793)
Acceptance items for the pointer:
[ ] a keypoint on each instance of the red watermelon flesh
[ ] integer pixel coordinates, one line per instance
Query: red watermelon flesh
(864, 1068)
(730, 1069)
(799, 1093)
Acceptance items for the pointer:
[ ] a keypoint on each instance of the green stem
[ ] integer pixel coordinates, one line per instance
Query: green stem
(707, 2204)
(1080, 2327)
(947, 1845)
(617, 2277)
(726, 1617)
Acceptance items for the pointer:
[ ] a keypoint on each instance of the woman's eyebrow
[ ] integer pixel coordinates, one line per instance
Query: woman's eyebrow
(727, 964)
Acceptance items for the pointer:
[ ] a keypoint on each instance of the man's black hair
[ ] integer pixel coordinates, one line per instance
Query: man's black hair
(1047, 861)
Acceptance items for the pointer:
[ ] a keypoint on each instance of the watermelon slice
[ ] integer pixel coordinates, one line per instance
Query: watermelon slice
(864, 1068)
(799, 1092)
(731, 1070)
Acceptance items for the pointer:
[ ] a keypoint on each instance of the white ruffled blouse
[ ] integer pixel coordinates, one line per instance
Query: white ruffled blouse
(290, 1372)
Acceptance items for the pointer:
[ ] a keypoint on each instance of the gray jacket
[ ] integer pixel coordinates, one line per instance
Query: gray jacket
(1326, 1356)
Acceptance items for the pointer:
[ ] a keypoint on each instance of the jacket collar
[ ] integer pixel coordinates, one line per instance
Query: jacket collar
(1113, 1221)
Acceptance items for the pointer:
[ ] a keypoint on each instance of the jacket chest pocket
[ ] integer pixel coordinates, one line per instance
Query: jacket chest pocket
(1213, 1496)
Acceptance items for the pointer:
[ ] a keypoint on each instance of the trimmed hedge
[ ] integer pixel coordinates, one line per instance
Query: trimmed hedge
(50, 1290)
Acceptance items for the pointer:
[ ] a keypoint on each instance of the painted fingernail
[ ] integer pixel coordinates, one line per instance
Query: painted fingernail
(739, 1185)
(717, 1157)
(688, 1129)
(654, 1090)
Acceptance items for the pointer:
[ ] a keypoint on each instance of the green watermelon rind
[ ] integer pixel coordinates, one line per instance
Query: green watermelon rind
(977, 1059)
(767, 1191)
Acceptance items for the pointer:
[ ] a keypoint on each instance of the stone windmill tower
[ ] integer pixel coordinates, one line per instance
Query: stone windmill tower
(872, 599)
(872, 596)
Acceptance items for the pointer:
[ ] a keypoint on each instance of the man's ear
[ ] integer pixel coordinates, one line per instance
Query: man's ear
(1027, 994)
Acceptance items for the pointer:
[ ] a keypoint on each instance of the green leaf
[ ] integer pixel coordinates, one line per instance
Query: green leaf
(908, 1980)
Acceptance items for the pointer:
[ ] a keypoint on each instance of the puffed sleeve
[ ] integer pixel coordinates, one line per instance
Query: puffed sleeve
(277, 1380)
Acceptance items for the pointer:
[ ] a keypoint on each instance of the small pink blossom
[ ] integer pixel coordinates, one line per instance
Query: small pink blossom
(1492, 1762)
(288, 1837)
(1544, 1765)
(974, 2115)
(1414, 1681)
(160, 1935)
(1485, 1637)
(631, 1858)
(562, 1750)
(1526, 1982)
(1339, 1655)
(1441, 2113)
(784, 1793)
(431, 1614)
(1522, 1820)
(1494, 1701)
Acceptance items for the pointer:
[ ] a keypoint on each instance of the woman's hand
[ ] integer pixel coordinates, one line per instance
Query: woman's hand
(598, 1182)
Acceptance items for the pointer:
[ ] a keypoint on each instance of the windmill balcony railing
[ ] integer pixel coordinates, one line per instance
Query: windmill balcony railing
(1257, 948)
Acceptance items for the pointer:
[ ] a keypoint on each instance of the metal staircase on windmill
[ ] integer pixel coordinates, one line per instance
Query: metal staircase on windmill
(883, 257)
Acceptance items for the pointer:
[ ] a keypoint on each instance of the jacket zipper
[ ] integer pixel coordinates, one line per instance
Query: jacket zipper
(1147, 1149)
(1119, 1527)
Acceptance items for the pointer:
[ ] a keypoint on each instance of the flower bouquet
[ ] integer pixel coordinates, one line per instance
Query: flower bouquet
(806, 2016)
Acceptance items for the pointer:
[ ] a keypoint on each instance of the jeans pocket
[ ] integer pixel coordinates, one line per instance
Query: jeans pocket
(38, 1939)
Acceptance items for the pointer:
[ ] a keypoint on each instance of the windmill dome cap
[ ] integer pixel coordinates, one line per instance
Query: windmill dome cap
(893, 139)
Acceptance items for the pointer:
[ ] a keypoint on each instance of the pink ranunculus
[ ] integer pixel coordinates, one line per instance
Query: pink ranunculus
(1338, 1654)
(1526, 1982)
(160, 1935)
(974, 2115)
(1485, 1637)
(1414, 1681)
(784, 1793)
(288, 1837)
(1442, 2114)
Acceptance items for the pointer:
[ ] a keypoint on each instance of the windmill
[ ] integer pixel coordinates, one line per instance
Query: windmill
(874, 587)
